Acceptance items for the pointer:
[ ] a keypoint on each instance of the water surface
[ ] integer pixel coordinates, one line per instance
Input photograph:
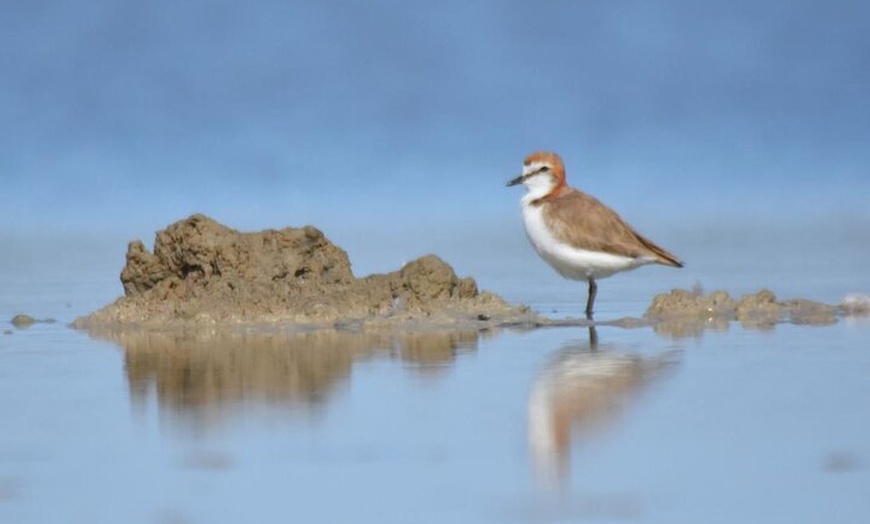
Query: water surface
(723, 425)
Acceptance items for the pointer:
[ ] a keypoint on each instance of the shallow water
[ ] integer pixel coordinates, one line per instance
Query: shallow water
(724, 425)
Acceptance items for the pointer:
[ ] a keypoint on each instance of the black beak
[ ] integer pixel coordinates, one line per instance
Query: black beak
(515, 181)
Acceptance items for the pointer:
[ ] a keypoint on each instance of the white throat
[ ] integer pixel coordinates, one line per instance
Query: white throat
(537, 186)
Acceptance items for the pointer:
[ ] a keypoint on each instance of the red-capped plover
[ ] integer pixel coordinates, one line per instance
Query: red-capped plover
(581, 238)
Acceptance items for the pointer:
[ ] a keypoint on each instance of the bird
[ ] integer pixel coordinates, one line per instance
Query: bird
(576, 234)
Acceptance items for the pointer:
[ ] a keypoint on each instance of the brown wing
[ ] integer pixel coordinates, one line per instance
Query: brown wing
(582, 221)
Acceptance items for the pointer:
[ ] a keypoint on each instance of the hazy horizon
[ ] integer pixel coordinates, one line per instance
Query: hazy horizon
(393, 127)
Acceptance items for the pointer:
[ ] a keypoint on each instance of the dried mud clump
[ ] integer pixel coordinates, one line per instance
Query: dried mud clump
(760, 309)
(681, 303)
(23, 321)
(805, 311)
(202, 272)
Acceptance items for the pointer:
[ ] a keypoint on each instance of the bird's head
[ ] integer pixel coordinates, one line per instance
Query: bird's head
(543, 173)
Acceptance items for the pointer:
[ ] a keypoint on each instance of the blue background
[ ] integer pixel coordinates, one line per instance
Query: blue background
(393, 125)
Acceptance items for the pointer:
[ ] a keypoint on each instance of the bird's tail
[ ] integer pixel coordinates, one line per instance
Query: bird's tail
(661, 255)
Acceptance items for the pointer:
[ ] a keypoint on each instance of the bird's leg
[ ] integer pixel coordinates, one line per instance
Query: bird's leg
(593, 290)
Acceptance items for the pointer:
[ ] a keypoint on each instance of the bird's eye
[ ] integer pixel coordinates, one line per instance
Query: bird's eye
(544, 169)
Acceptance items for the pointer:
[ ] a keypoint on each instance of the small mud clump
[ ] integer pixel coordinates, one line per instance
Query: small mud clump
(682, 303)
(22, 321)
(758, 310)
(202, 272)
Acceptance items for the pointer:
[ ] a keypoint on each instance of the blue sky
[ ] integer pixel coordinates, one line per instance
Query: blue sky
(407, 117)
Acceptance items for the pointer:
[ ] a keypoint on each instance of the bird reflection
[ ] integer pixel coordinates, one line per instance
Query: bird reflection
(578, 393)
(200, 381)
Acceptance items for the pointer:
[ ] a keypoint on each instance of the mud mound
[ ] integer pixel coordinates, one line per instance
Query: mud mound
(202, 272)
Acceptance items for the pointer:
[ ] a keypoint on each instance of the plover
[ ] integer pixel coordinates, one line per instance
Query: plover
(581, 238)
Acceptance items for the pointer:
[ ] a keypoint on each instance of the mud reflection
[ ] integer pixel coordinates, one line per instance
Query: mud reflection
(202, 380)
(426, 351)
(579, 393)
(689, 328)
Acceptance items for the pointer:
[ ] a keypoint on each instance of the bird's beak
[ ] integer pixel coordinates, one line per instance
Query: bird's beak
(515, 181)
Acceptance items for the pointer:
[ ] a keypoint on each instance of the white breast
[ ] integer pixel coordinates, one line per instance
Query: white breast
(570, 262)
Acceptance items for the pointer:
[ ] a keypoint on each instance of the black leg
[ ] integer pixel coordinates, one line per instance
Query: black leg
(593, 338)
(593, 290)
